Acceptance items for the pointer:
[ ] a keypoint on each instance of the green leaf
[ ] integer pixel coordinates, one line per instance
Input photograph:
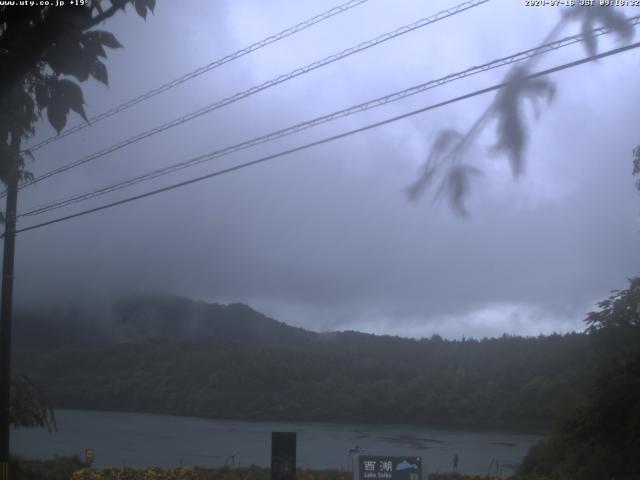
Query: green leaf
(99, 72)
(512, 134)
(440, 152)
(57, 111)
(107, 39)
(608, 17)
(72, 92)
(141, 8)
(67, 55)
(151, 5)
(65, 95)
(456, 184)
(70, 58)
(93, 44)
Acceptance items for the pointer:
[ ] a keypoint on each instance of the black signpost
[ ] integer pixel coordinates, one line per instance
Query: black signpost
(283, 455)
(384, 467)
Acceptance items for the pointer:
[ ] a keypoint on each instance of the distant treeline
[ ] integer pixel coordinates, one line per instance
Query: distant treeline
(285, 373)
(174, 356)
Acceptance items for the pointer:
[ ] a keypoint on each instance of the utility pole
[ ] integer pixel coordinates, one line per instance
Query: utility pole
(6, 303)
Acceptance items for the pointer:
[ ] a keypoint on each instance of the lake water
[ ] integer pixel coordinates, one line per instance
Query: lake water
(140, 440)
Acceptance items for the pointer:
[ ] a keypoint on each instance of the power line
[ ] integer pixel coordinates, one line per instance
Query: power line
(520, 56)
(273, 82)
(199, 71)
(332, 138)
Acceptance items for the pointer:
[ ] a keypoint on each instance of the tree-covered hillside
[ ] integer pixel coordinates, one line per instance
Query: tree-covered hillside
(148, 318)
(245, 365)
(601, 438)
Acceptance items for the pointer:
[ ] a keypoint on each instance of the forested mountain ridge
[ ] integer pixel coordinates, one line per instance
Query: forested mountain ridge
(148, 318)
(246, 365)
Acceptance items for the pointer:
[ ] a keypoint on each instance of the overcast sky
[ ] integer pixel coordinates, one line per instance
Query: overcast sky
(326, 238)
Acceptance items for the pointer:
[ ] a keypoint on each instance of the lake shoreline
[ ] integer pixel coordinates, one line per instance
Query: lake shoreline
(142, 440)
(526, 430)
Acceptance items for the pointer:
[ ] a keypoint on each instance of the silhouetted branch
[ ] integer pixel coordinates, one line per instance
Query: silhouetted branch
(507, 108)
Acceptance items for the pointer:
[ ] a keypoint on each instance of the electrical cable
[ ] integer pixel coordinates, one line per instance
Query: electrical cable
(331, 138)
(520, 56)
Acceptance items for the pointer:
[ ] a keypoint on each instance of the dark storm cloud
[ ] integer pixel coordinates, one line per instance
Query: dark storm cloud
(326, 238)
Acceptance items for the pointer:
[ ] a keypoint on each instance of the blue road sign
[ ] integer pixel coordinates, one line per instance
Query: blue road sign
(384, 467)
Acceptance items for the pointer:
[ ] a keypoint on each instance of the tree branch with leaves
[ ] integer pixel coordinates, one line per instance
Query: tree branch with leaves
(42, 50)
(447, 165)
(29, 406)
(39, 48)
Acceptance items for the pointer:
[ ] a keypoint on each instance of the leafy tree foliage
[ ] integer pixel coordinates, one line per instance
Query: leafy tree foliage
(601, 440)
(29, 407)
(41, 49)
(506, 382)
(508, 104)
(615, 328)
(40, 46)
(591, 18)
